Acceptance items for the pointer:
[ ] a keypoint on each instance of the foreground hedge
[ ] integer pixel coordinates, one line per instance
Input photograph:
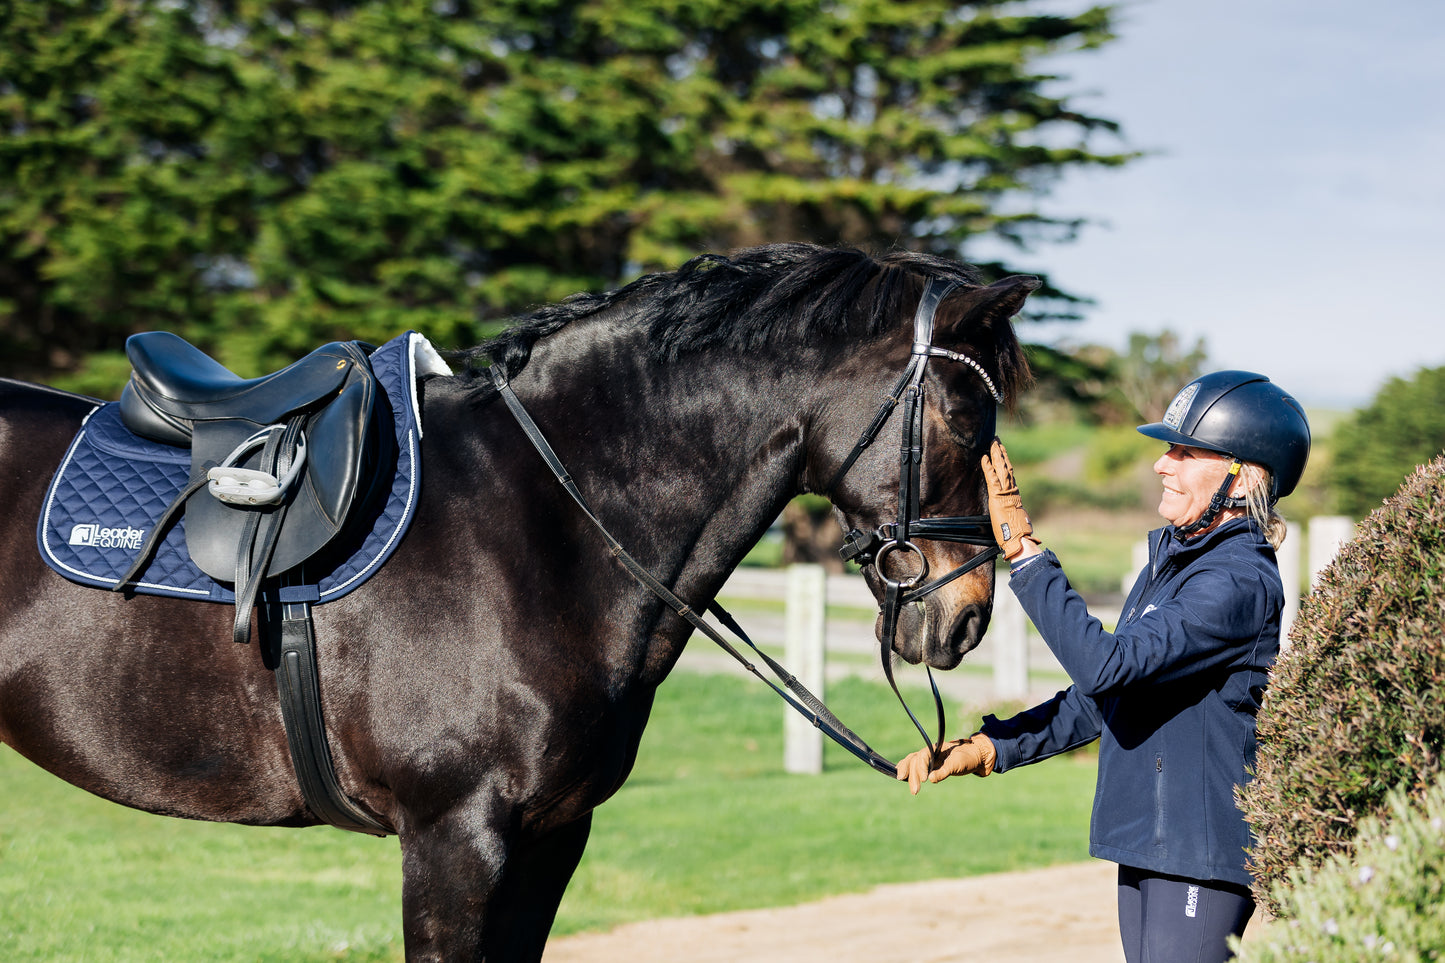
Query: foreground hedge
(1356, 705)
(1384, 901)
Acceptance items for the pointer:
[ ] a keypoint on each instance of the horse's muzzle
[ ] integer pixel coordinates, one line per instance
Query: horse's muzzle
(935, 632)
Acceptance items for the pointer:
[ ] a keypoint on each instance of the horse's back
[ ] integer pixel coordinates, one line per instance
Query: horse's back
(37, 424)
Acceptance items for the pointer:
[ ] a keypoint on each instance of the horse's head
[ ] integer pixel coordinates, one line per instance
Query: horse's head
(962, 338)
(766, 366)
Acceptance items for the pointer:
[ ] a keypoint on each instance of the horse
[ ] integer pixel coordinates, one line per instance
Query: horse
(487, 689)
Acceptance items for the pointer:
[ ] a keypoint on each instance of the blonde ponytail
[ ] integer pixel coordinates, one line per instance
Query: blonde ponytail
(1257, 504)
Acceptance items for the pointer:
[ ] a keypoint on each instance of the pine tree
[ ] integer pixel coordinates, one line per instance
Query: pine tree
(261, 176)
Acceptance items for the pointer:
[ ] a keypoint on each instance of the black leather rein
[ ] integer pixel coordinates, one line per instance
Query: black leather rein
(797, 695)
(871, 548)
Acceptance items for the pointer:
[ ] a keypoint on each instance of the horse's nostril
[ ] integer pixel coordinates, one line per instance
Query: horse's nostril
(969, 629)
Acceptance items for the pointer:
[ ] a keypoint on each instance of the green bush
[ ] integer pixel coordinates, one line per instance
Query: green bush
(1356, 705)
(1383, 901)
(1117, 455)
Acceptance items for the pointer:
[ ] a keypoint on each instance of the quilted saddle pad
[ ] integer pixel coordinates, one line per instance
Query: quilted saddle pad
(113, 485)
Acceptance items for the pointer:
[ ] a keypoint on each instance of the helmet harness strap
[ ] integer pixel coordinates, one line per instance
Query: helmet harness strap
(1218, 502)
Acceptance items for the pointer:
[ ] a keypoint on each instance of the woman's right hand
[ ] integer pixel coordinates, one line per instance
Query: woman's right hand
(1012, 528)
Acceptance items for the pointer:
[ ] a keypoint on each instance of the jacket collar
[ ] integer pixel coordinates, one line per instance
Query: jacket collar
(1170, 543)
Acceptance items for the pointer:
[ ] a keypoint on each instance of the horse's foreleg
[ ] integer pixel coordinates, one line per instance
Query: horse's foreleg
(532, 888)
(470, 894)
(450, 871)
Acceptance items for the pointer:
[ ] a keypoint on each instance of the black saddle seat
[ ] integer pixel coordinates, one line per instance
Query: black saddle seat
(175, 384)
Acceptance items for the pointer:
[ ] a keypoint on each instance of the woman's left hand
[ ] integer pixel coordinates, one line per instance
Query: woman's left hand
(975, 754)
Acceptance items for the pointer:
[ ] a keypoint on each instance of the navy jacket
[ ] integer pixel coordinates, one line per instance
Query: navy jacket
(1171, 695)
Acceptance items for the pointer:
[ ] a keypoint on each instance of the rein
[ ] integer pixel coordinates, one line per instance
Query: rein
(874, 547)
(870, 548)
(797, 695)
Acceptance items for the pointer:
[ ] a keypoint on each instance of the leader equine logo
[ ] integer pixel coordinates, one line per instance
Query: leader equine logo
(93, 536)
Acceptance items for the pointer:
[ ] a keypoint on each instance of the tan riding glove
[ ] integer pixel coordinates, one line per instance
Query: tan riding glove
(1005, 508)
(975, 754)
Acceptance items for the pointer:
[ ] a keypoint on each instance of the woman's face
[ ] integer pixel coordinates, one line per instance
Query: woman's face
(1191, 476)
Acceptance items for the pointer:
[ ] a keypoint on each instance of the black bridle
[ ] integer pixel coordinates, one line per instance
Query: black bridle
(872, 548)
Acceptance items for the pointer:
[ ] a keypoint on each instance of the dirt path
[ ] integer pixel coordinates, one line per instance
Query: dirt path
(1061, 913)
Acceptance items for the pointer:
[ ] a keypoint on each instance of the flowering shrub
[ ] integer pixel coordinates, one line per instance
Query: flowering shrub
(1383, 901)
(1356, 705)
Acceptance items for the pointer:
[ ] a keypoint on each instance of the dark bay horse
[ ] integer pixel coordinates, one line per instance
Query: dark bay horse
(488, 688)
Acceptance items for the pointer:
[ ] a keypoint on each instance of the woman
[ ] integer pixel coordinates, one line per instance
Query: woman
(1172, 693)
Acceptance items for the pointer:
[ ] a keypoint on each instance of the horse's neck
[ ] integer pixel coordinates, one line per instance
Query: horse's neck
(687, 465)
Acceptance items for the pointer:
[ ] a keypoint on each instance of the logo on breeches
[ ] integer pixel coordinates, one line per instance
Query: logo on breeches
(91, 535)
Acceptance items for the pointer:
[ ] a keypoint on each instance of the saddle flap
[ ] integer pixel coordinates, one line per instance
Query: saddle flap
(344, 447)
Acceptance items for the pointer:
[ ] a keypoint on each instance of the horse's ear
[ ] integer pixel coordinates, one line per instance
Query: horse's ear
(986, 308)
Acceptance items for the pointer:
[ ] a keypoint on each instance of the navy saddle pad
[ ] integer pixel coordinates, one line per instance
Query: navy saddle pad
(113, 485)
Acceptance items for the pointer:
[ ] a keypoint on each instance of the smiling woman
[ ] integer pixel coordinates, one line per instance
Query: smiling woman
(1172, 693)
(1237, 444)
(1191, 476)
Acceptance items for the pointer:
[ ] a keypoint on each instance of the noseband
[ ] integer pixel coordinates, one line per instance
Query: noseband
(873, 548)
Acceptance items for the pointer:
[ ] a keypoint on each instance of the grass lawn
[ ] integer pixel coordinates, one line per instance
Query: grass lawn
(708, 822)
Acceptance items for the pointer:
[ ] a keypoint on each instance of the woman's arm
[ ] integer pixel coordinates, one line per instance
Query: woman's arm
(1067, 721)
(1200, 626)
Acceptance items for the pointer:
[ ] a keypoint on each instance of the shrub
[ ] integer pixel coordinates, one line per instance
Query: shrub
(1356, 705)
(1382, 902)
(1117, 456)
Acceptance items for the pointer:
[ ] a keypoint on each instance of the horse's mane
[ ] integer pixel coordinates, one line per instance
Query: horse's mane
(752, 298)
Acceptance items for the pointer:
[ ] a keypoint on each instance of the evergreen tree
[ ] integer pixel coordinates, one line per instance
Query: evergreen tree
(260, 175)
(1378, 447)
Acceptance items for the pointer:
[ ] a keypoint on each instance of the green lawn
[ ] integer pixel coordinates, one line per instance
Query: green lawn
(708, 822)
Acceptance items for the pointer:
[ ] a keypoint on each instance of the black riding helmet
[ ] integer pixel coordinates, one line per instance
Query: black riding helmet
(1243, 415)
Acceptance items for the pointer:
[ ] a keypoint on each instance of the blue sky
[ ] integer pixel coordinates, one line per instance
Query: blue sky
(1292, 211)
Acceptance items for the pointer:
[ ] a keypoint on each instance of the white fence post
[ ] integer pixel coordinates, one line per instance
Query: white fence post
(1288, 556)
(805, 621)
(1138, 561)
(1009, 635)
(1328, 533)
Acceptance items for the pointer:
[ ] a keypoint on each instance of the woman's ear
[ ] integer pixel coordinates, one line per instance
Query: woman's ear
(1251, 477)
